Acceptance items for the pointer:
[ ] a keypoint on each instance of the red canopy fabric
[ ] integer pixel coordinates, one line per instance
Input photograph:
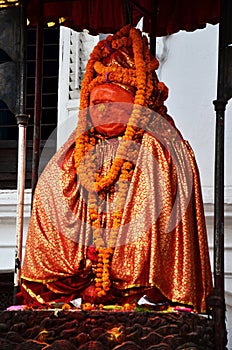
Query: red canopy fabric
(108, 16)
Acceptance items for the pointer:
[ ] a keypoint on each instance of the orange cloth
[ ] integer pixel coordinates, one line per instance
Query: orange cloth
(162, 241)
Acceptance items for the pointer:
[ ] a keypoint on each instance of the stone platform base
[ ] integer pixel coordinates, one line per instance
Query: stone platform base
(104, 330)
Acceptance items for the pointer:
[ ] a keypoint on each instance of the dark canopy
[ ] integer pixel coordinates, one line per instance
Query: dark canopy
(104, 16)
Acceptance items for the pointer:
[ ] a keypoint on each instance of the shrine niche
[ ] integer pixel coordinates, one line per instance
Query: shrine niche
(216, 302)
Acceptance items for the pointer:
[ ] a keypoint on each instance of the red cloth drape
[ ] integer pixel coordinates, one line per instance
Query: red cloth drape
(104, 16)
(157, 248)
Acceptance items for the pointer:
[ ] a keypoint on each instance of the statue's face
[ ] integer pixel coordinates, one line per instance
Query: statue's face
(109, 118)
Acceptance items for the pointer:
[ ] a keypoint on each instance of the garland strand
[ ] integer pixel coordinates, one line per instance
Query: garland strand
(149, 93)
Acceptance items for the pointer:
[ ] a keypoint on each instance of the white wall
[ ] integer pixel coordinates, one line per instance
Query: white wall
(190, 71)
(8, 200)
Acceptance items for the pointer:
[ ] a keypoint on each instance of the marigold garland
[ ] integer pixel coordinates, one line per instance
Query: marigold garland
(149, 93)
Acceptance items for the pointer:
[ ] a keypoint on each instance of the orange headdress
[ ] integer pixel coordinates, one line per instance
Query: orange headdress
(125, 58)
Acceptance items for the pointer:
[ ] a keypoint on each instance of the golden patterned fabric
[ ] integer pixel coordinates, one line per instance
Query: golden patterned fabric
(162, 240)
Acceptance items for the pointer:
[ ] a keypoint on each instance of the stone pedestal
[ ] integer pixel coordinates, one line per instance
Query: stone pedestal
(104, 330)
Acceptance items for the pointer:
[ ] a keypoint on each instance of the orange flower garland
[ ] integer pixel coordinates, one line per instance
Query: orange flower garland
(149, 93)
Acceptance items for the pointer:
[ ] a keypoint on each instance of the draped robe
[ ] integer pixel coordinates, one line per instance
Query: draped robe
(162, 240)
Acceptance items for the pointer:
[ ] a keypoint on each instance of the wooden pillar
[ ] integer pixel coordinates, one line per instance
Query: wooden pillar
(22, 121)
(224, 93)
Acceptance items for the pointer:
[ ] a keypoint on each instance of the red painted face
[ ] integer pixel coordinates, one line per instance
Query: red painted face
(110, 118)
